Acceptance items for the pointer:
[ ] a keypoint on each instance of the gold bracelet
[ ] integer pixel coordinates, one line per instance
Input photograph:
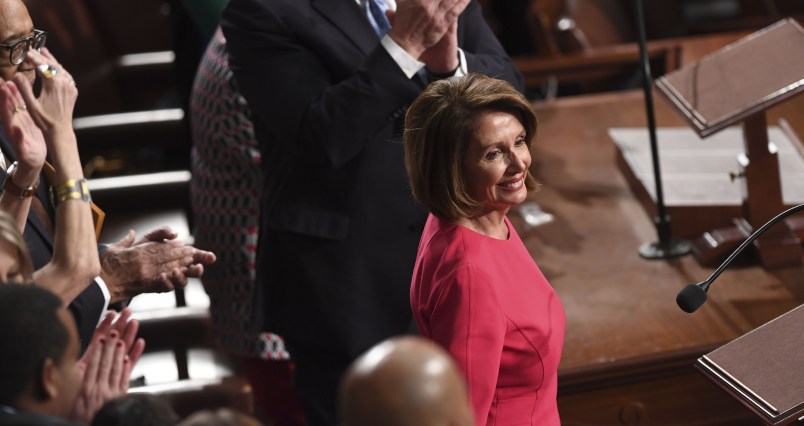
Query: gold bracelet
(72, 189)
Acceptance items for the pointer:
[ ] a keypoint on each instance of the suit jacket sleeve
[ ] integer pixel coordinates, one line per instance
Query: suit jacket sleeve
(468, 321)
(87, 309)
(291, 78)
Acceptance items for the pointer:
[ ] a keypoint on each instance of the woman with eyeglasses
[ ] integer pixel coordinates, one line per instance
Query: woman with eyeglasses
(19, 48)
(65, 257)
(38, 128)
(17, 37)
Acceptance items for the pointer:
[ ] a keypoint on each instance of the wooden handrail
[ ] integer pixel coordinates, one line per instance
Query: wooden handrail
(593, 63)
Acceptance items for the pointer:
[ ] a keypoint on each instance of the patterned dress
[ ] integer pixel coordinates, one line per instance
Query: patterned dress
(225, 192)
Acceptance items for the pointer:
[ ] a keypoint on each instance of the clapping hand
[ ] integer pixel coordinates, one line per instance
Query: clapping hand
(107, 363)
(156, 263)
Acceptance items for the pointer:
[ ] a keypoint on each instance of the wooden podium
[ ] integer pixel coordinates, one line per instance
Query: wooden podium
(737, 84)
(764, 369)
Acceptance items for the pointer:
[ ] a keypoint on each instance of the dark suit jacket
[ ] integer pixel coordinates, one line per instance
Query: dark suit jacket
(88, 306)
(340, 228)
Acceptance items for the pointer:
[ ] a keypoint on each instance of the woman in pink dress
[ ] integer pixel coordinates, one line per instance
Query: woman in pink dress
(476, 290)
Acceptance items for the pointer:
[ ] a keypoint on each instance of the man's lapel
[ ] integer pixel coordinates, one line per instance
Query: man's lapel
(347, 16)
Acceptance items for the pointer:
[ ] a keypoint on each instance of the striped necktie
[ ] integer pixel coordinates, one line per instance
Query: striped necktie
(375, 10)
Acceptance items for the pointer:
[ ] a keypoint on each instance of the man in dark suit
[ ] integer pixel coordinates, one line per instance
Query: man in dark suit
(340, 229)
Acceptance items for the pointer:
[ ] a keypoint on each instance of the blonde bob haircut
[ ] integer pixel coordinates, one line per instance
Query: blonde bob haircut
(12, 235)
(438, 128)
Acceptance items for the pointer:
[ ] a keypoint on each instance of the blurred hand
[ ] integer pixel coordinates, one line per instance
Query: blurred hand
(155, 263)
(106, 365)
(20, 130)
(418, 25)
(443, 56)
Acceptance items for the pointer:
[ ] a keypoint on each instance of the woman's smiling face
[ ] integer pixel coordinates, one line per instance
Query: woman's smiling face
(496, 161)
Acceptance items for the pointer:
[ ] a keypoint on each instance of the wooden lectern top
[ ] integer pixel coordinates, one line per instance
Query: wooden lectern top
(764, 369)
(742, 78)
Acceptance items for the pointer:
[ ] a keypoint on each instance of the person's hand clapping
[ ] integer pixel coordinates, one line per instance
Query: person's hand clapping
(107, 363)
(419, 25)
(156, 263)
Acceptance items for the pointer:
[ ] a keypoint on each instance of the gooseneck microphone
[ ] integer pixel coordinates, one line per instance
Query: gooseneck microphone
(693, 296)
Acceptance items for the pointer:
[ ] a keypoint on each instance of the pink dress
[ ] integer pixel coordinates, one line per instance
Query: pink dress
(489, 305)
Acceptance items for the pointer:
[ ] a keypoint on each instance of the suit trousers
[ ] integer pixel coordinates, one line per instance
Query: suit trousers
(317, 378)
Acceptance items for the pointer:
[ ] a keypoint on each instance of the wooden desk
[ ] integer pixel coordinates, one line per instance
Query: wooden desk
(629, 349)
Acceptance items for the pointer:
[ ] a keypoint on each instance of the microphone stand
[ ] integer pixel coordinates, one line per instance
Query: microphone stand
(667, 247)
(693, 296)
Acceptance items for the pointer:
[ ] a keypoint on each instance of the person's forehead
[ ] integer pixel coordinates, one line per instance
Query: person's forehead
(492, 126)
(15, 22)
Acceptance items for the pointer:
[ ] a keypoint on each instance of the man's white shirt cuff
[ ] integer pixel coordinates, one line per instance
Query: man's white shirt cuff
(408, 64)
(462, 70)
(107, 297)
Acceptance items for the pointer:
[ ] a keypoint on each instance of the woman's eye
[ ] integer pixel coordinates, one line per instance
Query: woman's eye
(493, 154)
(520, 142)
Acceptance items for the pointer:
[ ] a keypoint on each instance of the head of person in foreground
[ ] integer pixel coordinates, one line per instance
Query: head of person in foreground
(38, 369)
(404, 381)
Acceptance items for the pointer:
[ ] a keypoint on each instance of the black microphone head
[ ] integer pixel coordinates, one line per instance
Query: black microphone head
(691, 298)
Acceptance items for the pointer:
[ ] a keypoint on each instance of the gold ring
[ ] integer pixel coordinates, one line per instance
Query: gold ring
(48, 71)
(18, 108)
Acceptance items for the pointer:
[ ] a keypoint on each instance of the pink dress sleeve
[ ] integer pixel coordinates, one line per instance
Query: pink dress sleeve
(468, 321)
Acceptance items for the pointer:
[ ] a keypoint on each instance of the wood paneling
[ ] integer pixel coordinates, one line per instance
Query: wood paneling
(629, 349)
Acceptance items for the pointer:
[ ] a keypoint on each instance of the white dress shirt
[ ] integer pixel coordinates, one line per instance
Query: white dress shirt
(407, 63)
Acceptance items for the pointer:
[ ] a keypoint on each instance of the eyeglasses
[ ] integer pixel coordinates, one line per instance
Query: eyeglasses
(19, 49)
